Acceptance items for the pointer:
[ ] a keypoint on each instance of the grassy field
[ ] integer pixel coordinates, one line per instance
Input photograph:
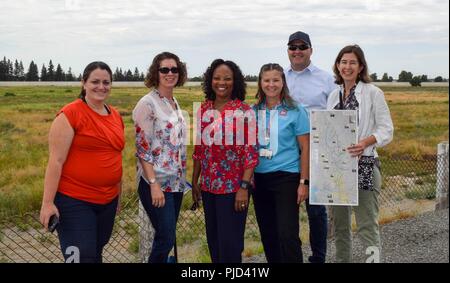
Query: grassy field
(420, 117)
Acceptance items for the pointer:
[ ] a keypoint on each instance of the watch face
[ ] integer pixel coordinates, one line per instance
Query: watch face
(245, 185)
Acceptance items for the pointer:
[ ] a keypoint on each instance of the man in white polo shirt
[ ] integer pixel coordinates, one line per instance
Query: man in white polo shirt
(310, 87)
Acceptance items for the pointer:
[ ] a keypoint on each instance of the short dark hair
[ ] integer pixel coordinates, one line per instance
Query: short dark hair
(239, 84)
(355, 49)
(152, 77)
(284, 96)
(92, 67)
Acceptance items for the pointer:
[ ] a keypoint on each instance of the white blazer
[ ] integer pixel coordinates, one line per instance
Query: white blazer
(374, 117)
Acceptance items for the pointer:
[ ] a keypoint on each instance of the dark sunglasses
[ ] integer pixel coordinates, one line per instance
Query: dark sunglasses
(165, 70)
(301, 47)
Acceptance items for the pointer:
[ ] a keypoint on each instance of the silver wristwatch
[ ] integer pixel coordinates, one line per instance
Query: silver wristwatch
(152, 181)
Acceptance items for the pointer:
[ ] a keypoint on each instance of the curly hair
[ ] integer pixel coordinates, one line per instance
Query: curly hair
(152, 77)
(355, 49)
(285, 98)
(239, 84)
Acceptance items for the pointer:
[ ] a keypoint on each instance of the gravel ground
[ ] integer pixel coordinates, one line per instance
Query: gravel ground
(415, 240)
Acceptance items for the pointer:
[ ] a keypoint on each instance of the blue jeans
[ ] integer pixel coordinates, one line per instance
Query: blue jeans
(164, 220)
(318, 225)
(84, 226)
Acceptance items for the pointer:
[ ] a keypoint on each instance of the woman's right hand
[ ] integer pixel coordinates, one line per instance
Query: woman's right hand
(158, 199)
(196, 193)
(47, 210)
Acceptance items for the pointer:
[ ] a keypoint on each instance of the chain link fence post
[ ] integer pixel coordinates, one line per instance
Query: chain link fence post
(442, 176)
(146, 234)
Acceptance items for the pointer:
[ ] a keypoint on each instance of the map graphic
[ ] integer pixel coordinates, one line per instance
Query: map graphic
(333, 172)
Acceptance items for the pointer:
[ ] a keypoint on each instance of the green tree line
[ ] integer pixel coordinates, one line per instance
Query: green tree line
(15, 71)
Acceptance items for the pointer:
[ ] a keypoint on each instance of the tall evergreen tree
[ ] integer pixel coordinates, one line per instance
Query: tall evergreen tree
(136, 75)
(44, 75)
(51, 71)
(69, 75)
(59, 74)
(129, 76)
(21, 71)
(116, 74)
(10, 70)
(16, 72)
(33, 73)
(3, 69)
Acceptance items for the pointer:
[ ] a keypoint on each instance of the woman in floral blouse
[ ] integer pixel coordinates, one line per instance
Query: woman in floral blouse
(225, 156)
(161, 151)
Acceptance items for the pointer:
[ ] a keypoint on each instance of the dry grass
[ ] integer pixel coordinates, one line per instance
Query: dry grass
(420, 118)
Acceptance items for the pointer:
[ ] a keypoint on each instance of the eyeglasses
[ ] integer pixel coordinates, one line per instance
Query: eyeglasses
(166, 70)
(300, 47)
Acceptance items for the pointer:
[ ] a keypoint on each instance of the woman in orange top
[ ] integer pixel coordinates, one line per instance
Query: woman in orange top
(83, 178)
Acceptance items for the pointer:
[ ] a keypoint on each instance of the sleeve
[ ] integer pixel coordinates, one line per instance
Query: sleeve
(332, 99)
(384, 128)
(71, 114)
(331, 85)
(302, 122)
(143, 117)
(251, 157)
(198, 145)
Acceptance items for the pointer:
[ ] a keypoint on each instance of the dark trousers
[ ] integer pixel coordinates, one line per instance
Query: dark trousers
(318, 225)
(225, 228)
(277, 213)
(164, 221)
(84, 228)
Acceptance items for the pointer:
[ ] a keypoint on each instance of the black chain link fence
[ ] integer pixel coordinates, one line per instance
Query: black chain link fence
(408, 183)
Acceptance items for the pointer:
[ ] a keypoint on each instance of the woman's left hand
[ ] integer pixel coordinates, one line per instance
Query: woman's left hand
(241, 200)
(302, 193)
(357, 149)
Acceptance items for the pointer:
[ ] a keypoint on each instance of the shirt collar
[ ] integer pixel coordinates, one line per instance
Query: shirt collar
(311, 68)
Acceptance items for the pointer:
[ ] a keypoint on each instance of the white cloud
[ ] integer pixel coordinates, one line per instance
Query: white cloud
(129, 33)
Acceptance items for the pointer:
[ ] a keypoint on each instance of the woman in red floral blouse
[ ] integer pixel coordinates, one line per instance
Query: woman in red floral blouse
(225, 156)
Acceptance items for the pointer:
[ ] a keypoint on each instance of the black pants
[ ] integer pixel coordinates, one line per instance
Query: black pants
(225, 227)
(277, 213)
(84, 229)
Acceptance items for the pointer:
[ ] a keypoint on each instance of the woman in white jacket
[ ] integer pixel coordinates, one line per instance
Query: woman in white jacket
(375, 129)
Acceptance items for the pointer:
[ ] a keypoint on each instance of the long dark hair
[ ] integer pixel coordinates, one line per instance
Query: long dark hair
(355, 49)
(92, 67)
(152, 77)
(238, 80)
(285, 98)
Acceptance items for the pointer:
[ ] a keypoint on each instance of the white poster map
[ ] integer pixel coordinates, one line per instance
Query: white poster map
(333, 172)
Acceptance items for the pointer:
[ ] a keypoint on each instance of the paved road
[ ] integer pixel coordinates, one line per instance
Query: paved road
(424, 238)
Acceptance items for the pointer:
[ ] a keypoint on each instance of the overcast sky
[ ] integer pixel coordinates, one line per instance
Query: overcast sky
(396, 35)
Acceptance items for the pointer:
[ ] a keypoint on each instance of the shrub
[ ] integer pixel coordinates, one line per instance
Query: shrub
(10, 94)
(416, 81)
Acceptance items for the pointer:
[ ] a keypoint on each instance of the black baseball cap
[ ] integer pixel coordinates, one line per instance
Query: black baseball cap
(299, 35)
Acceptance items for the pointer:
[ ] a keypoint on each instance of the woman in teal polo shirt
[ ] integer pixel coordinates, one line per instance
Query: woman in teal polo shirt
(281, 178)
